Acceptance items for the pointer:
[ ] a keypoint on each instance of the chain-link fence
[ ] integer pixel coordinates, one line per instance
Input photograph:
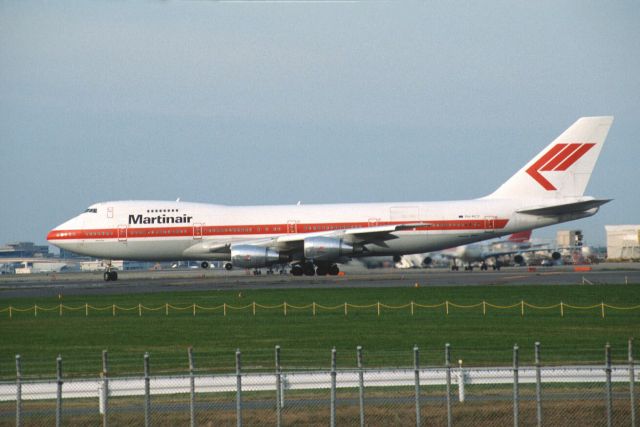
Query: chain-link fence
(451, 394)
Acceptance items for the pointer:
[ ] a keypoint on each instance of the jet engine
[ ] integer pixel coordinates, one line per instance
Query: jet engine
(326, 248)
(249, 256)
(556, 256)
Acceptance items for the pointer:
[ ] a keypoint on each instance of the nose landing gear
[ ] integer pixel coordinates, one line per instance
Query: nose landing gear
(110, 275)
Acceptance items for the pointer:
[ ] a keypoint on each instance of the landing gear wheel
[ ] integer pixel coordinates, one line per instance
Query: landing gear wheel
(296, 270)
(334, 270)
(322, 270)
(110, 276)
(204, 264)
(309, 269)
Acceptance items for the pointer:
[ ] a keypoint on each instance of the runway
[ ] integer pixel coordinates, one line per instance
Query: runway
(134, 282)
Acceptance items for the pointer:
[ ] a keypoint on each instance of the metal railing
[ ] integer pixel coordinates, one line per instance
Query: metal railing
(412, 395)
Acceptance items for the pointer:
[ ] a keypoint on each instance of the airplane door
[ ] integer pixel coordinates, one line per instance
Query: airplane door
(197, 231)
(489, 224)
(122, 233)
(292, 226)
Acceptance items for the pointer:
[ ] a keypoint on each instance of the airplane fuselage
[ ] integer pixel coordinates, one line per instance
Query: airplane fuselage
(156, 230)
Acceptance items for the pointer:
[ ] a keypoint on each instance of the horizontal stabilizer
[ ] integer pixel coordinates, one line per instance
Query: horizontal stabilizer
(565, 208)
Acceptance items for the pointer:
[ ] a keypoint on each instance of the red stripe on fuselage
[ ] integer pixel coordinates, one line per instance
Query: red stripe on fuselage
(262, 229)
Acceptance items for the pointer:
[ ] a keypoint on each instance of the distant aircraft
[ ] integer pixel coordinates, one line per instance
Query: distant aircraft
(314, 239)
(476, 253)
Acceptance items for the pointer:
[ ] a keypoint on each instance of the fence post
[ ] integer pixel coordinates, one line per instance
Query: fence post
(147, 397)
(516, 390)
(333, 387)
(632, 395)
(238, 388)
(461, 380)
(447, 366)
(416, 367)
(538, 386)
(192, 389)
(360, 384)
(104, 392)
(278, 389)
(18, 391)
(607, 370)
(59, 391)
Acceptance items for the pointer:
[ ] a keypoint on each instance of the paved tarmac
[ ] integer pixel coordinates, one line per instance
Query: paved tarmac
(132, 282)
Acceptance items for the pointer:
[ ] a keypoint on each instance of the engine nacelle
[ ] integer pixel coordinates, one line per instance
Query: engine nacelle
(518, 259)
(249, 256)
(326, 248)
(556, 256)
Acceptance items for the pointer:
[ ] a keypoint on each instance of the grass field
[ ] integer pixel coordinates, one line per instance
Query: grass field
(306, 340)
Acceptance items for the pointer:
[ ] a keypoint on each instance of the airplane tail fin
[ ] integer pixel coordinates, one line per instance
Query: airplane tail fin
(564, 167)
(521, 237)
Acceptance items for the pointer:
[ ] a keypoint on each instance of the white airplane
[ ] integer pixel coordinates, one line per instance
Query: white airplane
(548, 190)
(516, 244)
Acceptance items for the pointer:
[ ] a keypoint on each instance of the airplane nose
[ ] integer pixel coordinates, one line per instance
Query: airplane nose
(52, 235)
(66, 232)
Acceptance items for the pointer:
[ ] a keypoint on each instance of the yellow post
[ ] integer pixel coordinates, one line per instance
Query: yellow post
(113, 310)
(561, 309)
(254, 308)
(139, 310)
(86, 310)
(10, 312)
(60, 309)
(285, 308)
(602, 305)
(166, 309)
(345, 308)
(35, 310)
(194, 308)
(314, 308)
(224, 308)
(378, 308)
(412, 308)
(446, 304)
(484, 308)
(522, 308)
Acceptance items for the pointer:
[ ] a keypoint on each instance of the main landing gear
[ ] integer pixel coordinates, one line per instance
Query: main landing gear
(310, 269)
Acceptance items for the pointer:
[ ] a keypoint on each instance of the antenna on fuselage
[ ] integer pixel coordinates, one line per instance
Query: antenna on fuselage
(178, 199)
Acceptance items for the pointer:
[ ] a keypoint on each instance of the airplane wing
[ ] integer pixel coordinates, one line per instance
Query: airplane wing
(287, 243)
(353, 235)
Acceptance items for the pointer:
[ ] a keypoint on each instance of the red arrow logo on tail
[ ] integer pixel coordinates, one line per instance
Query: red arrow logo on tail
(559, 158)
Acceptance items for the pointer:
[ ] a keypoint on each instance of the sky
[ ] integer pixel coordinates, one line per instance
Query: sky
(248, 103)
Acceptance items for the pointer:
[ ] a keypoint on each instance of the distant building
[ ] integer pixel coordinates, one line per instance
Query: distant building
(24, 250)
(569, 238)
(623, 242)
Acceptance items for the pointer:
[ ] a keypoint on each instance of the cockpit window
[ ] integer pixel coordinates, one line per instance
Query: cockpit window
(91, 210)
